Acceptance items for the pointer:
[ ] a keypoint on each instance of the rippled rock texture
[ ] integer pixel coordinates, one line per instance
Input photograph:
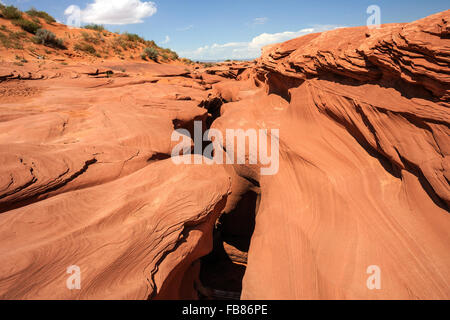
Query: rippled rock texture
(363, 177)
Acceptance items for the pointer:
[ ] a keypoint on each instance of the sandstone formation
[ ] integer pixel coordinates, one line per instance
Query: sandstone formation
(363, 180)
(87, 180)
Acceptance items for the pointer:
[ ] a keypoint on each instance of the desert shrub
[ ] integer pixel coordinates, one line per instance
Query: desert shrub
(169, 54)
(12, 40)
(21, 59)
(95, 27)
(150, 53)
(27, 25)
(117, 51)
(133, 37)
(41, 14)
(18, 35)
(48, 38)
(121, 41)
(10, 12)
(165, 56)
(5, 41)
(85, 47)
(187, 61)
(87, 37)
(151, 44)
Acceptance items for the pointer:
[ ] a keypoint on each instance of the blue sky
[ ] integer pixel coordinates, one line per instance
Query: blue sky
(203, 30)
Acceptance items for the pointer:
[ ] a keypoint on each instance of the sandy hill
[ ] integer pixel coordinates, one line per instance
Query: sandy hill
(34, 35)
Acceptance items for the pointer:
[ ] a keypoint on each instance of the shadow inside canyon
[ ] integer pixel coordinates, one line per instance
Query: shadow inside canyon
(223, 270)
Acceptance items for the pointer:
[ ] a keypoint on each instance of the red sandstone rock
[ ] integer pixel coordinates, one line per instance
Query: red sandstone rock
(364, 165)
(364, 172)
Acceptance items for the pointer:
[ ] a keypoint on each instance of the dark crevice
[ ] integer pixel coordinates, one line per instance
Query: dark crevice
(158, 157)
(280, 85)
(223, 270)
(415, 170)
(167, 290)
(214, 107)
(387, 164)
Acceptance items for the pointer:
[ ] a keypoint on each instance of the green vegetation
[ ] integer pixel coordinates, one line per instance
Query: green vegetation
(12, 40)
(48, 38)
(119, 43)
(95, 27)
(85, 47)
(187, 61)
(207, 64)
(150, 53)
(27, 25)
(14, 14)
(165, 56)
(151, 43)
(123, 42)
(41, 14)
(9, 43)
(21, 59)
(131, 41)
(133, 37)
(17, 35)
(117, 51)
(10, 12)
(95, 39)
(169, 54)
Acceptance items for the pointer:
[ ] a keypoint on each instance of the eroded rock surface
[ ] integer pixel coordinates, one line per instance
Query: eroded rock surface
(363, 175)
(364, 157)
(87, 181)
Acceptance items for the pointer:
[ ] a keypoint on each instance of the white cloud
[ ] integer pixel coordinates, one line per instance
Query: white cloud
(248, 50)
(261, 20)
(268, 38)
(116, 12)
(166, 40)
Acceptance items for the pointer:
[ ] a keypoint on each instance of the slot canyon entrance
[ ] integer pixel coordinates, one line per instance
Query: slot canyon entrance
(222, 271)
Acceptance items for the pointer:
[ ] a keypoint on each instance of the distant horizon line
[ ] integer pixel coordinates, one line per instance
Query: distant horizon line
(222, 60)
